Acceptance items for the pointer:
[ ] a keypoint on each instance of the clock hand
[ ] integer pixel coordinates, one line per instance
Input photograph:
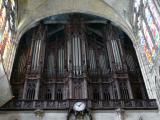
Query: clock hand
(80, 104)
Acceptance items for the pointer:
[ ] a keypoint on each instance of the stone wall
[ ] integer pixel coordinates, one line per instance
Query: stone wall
(96, 115)
(122, 7)
(5, 90)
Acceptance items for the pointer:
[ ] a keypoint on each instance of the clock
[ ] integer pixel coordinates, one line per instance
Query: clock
(79, 112)
(79, 106)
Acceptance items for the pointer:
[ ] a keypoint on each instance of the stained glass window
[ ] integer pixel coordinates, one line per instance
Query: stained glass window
(4, 38)
(142, 39)
(13, 4)
(154, 12)
(7, 31)
(6, 2)
(137, 4)
(147, 37)
(150, 30)
(2, 17)
(152, 26)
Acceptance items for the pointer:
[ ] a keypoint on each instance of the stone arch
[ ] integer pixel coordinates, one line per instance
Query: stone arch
(54, 7)
(94, 7)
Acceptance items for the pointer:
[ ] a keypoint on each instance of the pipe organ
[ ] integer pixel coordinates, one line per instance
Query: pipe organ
(76, 63)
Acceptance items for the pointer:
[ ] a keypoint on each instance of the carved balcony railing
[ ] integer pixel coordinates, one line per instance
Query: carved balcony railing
(149, 104)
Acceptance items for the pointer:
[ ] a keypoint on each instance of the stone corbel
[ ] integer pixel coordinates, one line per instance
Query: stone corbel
(39, 114)
(140, 118)
(120, 114)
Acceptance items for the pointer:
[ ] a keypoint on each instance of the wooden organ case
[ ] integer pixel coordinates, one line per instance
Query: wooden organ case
(76, 65)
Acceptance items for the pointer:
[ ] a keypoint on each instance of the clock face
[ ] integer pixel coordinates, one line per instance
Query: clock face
(79, 106)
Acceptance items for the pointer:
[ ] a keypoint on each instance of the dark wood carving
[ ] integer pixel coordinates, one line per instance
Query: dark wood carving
(77, 65)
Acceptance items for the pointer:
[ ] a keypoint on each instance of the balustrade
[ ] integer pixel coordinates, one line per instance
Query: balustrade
(91, 104)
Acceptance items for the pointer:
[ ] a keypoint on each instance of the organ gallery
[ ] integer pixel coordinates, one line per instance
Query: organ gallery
(76, 58)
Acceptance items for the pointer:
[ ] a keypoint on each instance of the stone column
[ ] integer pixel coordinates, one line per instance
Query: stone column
(118, 90)
(129, 90)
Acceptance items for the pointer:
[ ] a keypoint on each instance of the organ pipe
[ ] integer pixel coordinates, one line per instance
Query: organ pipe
(108, 37)
(92, 61)
(130, 62)
(102, 64)
(116, 53)
(69, 54)
(61, 61)
(51, 65)
(38, 49)
(76, 55)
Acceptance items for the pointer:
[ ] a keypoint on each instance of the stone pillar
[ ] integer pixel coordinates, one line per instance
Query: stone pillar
(118, 90)
(129, 89)
(37, 90)
(84, 89)
(24, 90)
